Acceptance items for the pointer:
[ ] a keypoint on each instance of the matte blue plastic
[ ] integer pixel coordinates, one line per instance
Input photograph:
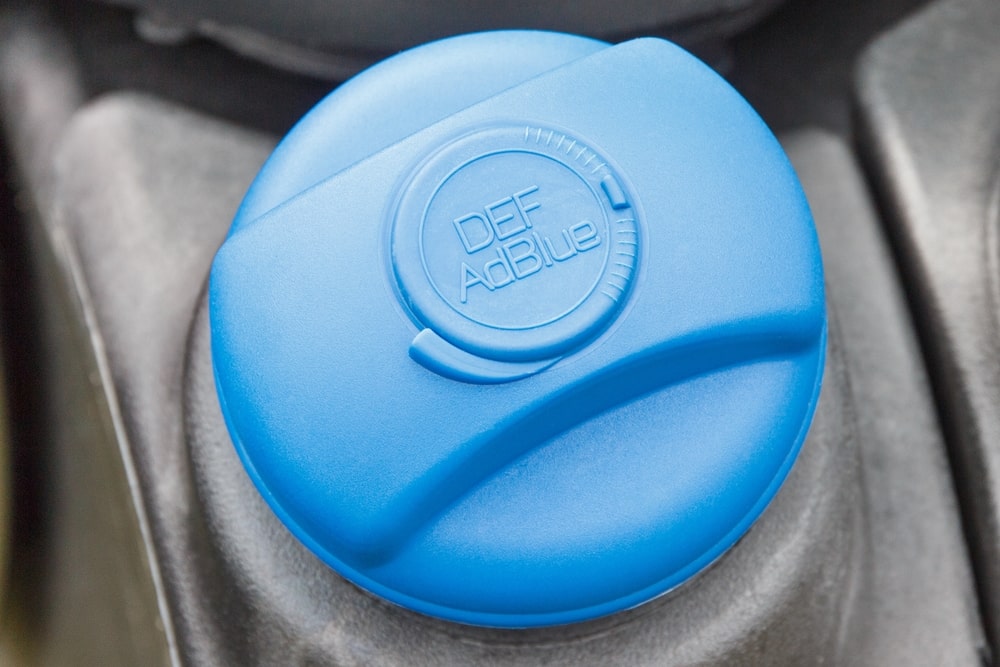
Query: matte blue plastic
(542, 349)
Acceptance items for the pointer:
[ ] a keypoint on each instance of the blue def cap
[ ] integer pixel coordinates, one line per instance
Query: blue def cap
(519, 329)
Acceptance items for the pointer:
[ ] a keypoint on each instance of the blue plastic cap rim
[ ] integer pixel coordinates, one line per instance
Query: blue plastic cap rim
(461, 387)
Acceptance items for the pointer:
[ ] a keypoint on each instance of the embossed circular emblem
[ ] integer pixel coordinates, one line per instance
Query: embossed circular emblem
(516, 244)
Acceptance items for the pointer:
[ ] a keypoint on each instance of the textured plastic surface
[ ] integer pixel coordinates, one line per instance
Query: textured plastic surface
(930, 118)
(411, 353)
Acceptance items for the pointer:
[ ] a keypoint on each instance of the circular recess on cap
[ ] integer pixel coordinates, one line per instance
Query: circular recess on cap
(517, 242)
